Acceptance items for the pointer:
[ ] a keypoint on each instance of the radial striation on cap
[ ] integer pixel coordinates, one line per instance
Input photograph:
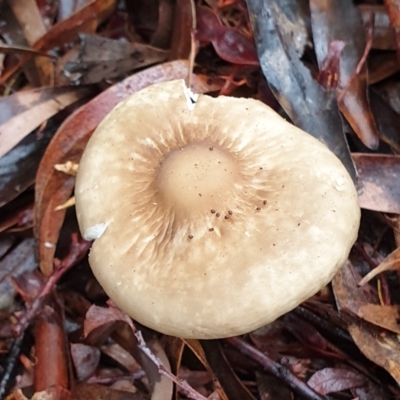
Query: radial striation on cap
(211, 216)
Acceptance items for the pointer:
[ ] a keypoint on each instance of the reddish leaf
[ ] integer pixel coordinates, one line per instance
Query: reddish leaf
(51, 367)
(230, 44)
(330, 380)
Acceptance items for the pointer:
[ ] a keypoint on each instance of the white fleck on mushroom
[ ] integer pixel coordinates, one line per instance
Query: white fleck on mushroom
(289, 229)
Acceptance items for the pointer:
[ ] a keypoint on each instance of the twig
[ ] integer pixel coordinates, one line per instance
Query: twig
(191, 393)
(276, 369)
(77, 249)
(10, 364)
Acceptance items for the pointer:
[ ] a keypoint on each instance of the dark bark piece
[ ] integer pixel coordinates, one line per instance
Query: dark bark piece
(329, 24)
(280, 30)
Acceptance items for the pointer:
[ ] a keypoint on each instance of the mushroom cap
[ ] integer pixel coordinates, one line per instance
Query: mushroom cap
(212, 217)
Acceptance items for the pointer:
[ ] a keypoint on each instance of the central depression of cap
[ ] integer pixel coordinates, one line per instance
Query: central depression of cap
(197, 177)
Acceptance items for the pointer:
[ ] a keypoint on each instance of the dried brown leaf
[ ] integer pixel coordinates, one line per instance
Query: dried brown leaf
(382, 349)
(98, 59)
(24, 111)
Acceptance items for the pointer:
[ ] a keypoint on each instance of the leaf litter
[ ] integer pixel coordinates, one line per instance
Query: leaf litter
(331, 68)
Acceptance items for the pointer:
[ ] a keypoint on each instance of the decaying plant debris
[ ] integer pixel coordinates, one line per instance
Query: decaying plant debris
(332, 68)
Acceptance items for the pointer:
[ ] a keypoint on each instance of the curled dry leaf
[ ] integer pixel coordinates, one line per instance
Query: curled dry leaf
(24, 111)
(330, 380)
(54, 188)
(330, 24)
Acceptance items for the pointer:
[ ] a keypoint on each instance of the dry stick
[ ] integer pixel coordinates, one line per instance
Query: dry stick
(10, 364)
(275, 369)
(370, 34)
(191, 393)
(77, 249)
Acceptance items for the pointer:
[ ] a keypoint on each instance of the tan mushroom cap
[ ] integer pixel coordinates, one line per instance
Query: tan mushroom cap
(211, 218)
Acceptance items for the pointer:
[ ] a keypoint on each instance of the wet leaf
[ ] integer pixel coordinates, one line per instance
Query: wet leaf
(310, 107)
(330, 380)
(378, 181)
(330, 24)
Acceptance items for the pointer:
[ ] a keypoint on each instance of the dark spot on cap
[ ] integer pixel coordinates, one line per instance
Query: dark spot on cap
(226, 217)
(211, 229)
(217, 214)
(258, 208)
(190, 236)
(230, 212)
(265, 202)
(211, 148)
(212, 211)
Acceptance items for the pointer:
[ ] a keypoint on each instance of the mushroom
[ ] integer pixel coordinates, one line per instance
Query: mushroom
(210, 216)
